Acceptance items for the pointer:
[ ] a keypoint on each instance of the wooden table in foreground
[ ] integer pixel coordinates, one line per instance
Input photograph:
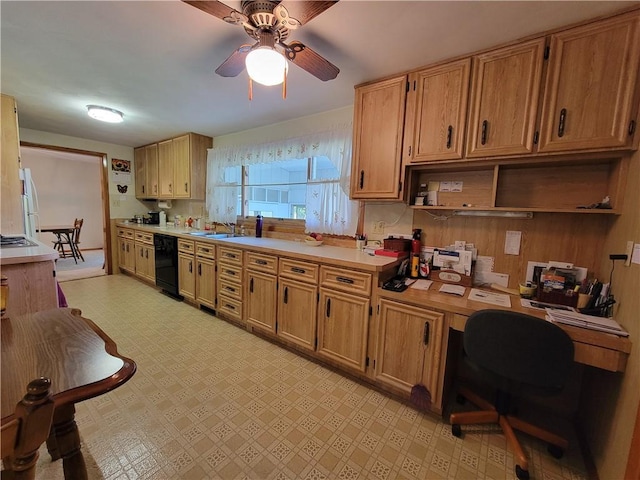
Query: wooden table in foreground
(79, 358)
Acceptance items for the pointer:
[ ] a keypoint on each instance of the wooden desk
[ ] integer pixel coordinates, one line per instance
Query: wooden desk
(79, 358)
(65, 231)
(597, 349)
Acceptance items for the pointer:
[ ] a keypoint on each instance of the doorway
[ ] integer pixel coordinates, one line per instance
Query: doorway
(71, 190)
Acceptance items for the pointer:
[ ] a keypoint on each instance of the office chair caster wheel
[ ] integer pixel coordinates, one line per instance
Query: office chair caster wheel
(460, 399)
(522, 474)
(456, 430)
(555, 451)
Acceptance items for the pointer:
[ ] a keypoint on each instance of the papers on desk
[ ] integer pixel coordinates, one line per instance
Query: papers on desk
(422, 284)
(453, 289)
(492, 298)
(601, 324)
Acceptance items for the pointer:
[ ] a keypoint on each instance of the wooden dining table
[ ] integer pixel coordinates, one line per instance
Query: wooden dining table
(80, 359)
(63, 233)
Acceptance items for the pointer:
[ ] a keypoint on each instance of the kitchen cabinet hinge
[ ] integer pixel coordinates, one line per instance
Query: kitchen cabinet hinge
(547, 51)
(535, 137)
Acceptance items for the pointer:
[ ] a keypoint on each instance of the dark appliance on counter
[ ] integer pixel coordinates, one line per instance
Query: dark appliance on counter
(154, 218)
(166, 250)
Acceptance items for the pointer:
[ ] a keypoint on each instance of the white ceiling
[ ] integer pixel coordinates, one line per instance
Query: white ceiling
(155, 60)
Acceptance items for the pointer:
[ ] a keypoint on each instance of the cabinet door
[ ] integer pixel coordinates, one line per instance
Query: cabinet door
(165, 169)
(297, 307)
(437, 112)
(206, 282)
(409, 343)
(11, 219)
(377, 139)
(260, 309)
(140, 161)
(504, 100)
(140, 261)
(122, 253)
(130, 262)
(182, 167)
(186, 275)
(590, 86)
(343, 321)
(151, 165)
(150, 257)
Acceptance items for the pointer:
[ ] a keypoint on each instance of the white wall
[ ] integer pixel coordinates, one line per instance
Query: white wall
(68, 187)
(121, 205)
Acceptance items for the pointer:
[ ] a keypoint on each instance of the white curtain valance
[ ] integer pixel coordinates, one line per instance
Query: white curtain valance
(323, 208)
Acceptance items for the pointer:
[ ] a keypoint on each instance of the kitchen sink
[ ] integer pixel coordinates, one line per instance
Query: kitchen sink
(219, 235)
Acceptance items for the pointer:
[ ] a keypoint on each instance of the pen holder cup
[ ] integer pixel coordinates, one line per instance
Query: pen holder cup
(583, 300)
(527, 291)
(360, 244)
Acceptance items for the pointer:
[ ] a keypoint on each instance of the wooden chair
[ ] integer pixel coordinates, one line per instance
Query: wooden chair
(74, 250)
(23, 435)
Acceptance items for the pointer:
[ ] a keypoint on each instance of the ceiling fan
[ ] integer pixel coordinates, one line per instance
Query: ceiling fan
(270, 22)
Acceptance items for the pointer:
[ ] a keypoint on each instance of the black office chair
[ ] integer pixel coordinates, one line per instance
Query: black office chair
(514, 352)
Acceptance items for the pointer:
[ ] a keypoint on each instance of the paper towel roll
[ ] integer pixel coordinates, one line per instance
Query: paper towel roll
(164, 204)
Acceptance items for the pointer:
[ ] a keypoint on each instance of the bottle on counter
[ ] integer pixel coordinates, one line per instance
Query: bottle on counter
(259, 226)
(415, 254)
(162, 218)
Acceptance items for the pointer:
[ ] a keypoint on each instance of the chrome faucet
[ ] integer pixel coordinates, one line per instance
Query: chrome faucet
(231, 227)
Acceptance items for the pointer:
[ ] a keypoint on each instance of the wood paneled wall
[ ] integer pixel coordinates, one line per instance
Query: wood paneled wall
(578, 239)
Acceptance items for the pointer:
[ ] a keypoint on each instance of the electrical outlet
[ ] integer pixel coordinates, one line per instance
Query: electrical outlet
(378, 227)
(629, 252)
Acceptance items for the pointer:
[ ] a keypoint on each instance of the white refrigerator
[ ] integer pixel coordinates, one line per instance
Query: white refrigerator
(30, 207)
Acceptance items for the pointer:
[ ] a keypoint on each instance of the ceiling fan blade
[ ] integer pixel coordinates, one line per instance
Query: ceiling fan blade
(234, 65)
(296, 13)
(310, 61)
(220, 10)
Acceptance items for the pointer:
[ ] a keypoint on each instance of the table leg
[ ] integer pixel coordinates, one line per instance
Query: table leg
(64, 442)
(72, 247)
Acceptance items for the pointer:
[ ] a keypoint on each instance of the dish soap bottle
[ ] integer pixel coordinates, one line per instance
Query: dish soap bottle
(415, 253)
(259, 226)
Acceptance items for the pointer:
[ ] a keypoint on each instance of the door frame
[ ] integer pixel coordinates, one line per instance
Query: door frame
(104, 193)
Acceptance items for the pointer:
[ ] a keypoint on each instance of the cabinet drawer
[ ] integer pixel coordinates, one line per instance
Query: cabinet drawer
(229, 307)
(206, 250)
(230, 272)
(229, 288)
(186, 246)
(347, 281)
(302, 271)
(144, 237)
(230, 255)
(125, 233)
(260, 262)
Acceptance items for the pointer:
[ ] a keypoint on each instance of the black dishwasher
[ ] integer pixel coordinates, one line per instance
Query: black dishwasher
(166, 250)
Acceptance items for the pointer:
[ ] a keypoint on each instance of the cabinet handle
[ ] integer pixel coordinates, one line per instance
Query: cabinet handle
(344, 280)
(231, 289)
(563, 117)
(127, 248)
(285, 297)
(361, 179)
(142, 188)
(425, 337)
(232, 307)
(186, 187)
(230, 272)
(632, 127)
(155, 188)
(251, 286)
(230, 255)
(141, 253)
(485, 126)
(410, 151)
(200, 269)
(170, 188)
(261, 262)
(328, 307)
(449, 135)
(147, 254)
(190, 267)
(298, 270)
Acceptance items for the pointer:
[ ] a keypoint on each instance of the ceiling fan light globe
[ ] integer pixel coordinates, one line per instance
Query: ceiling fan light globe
(266, 66)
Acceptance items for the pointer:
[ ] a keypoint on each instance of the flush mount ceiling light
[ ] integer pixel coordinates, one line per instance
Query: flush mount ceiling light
(266, 66)
(105, 114)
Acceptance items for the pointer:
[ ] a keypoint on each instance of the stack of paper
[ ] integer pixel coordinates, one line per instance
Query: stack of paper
(608, 325)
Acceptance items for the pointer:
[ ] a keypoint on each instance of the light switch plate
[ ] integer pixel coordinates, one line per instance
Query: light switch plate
(629, 253)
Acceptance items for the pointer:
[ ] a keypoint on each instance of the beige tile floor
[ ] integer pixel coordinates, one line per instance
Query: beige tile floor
(210, 400)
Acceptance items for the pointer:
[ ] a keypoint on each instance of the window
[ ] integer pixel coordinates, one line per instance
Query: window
(304, 178)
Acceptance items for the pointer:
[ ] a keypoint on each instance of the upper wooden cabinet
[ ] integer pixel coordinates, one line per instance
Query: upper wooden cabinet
(146, 167)
(174, 168)
(11, 189)
(504, 100)
(377, 139)
(437, 112)
(591, 86)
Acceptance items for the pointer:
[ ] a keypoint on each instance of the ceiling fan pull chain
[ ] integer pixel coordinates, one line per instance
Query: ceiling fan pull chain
(284, 86)
(250, 89)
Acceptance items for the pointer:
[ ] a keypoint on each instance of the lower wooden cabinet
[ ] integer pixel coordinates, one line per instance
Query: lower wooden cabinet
(186, 275)
(409, 344)
(126, 250)
(297, 307)
(206, 282)
(230, 284)
(260, 301)
(343, 322)
(145, 262)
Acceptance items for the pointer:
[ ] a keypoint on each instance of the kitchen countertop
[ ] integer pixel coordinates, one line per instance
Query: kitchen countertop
(38, 253)
(299, 249)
